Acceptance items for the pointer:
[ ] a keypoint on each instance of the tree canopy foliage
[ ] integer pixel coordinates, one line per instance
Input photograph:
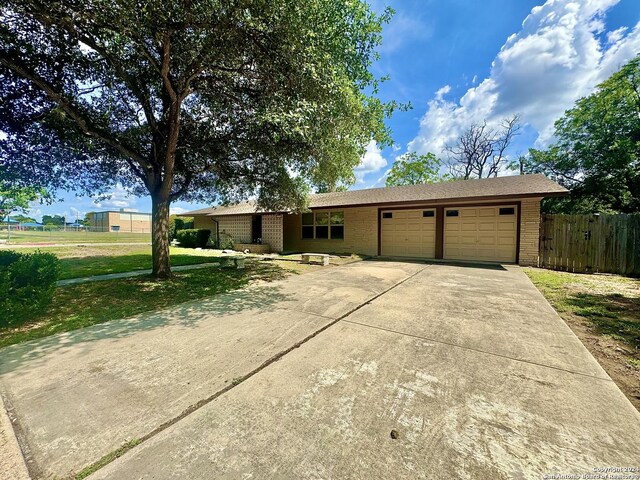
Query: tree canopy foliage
(16, 198)
(206, 100)
(597, 152)
(413, 169)
(57, 220)
(22, 218)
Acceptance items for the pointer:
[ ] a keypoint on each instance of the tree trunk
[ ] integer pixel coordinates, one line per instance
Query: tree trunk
(160, 237)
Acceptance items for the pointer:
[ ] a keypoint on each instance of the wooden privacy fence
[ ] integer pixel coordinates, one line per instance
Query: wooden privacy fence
(591, 243)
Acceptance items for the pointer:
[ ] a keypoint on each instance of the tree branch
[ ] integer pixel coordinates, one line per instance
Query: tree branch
(81, 120)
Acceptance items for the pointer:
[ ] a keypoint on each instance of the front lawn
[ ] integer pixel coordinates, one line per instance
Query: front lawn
(16, 237)
(82, 305)
(85, 261)
(604, 312)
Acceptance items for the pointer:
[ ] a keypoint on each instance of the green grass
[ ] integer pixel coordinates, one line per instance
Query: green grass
(25, 237)
(634, 363)
(110, 457)
(609, 303)
(83, 305)
(77, 262)
(85, 261)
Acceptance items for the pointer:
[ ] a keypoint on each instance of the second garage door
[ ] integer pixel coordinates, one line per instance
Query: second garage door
(408, 233)
(481, 233)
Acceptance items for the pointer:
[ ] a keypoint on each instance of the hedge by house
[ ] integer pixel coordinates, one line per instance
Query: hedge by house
(176, 224)
(27, 283)
(192, 238)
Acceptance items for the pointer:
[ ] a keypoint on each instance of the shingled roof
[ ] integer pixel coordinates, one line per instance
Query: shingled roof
(458, 190)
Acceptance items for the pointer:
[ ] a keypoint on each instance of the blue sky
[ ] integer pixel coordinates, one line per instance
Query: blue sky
(463, 61)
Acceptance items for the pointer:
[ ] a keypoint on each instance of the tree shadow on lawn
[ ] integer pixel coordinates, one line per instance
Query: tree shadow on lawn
(85, 266)
(244, 297)
(611, 314)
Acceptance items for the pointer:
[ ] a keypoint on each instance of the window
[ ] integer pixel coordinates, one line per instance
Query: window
(323, 225)
(428, 213)
(387, 215)
(307, 225)
(452, 213)
(508, 211)
(337, 225)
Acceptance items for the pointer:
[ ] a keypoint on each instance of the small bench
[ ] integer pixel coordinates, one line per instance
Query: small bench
(324, 258)
(227, 262)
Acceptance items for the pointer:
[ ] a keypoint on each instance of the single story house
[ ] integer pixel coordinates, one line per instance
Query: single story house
(492, 219)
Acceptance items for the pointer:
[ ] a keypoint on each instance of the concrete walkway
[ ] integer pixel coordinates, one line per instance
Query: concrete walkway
(468, 366)
(137, 273)
(12, 464)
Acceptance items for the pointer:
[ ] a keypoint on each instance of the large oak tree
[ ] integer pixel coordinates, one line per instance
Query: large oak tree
(202, 100)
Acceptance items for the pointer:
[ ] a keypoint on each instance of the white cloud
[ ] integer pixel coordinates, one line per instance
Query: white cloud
(561, 53)
(442, 92)
(34, 212)
(118, 197)
(372, 161)
(177, 210)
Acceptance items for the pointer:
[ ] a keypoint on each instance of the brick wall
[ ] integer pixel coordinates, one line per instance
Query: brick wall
(131, 222)
(529, 231)
(360, 233)
(128, 222)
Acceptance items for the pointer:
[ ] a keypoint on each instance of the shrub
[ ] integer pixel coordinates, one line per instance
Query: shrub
(27, 283)
(176, 224)
(193, 238)
(226, 242)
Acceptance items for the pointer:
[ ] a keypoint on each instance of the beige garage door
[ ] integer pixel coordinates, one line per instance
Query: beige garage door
(481, 233)
(408, 233)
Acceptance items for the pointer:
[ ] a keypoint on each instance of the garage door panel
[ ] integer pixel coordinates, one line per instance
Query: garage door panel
(487, 241)
(408, 233)
(480, 233)
(507, 227)
(502, 240)
(487, 227)
(487, 212)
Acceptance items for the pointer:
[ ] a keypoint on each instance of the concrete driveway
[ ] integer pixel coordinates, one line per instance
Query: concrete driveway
(469, 366)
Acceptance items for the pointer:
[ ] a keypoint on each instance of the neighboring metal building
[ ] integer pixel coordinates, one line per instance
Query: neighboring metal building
(120, 221)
